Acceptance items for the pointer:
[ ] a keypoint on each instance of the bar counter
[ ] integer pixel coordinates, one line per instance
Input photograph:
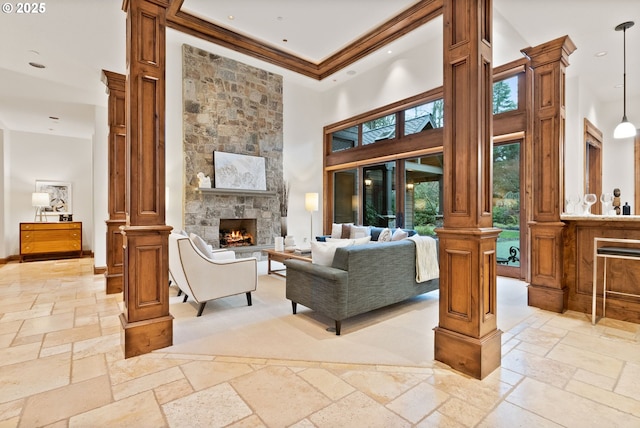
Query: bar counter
(622, 275)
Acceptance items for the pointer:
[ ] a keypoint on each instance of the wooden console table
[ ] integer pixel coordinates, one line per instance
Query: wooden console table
(579, 233)
(281, 256)
(50, 240)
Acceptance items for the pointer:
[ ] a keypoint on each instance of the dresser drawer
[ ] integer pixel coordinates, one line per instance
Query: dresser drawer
(50, 240)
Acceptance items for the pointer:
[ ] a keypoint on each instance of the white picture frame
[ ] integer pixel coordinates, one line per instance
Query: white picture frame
(60, 196)
(241, 172)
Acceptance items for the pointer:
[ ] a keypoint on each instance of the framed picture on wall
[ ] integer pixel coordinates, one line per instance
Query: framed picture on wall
(60, 196)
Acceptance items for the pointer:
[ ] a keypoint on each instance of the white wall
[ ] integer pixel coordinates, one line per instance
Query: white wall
(4, 169)
(100, 188)
(47, 157)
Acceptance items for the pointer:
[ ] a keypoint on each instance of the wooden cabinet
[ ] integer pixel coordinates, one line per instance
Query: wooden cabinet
(50, 240)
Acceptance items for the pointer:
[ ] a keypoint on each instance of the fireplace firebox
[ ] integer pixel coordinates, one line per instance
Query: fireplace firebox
(237, 232)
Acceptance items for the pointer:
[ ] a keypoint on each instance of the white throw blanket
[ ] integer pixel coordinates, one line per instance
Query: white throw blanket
(427, 266)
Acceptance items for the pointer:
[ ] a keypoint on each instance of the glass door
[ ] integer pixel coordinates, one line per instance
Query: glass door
(507, 215)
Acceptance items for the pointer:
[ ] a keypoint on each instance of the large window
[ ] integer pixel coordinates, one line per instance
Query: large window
(380, 129)
(423, 117)
(345, 196)
(423, 193)
(505, 95)
(379, 195)
(506, 202)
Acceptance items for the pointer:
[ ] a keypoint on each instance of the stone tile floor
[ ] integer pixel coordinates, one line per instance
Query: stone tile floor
(61, 365)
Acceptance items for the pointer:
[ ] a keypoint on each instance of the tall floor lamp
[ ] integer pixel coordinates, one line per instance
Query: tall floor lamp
(39, 200)
(311, 205)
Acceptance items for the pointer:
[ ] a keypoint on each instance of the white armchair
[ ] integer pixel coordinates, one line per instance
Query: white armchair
(206, 279)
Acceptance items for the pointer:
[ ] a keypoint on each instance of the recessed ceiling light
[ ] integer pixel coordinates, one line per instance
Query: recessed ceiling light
(351, 72)
(600, 54)
(231, 17)
(36, 65)
(389, 51)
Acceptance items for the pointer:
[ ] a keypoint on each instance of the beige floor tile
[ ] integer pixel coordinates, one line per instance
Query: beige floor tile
(98, 345)
(507, 415)
(606, 397)
(418, 402)
(382, 386)
(75, 334)
(10, 423)
(438, 420)
(40, 310)
(60, 349)
(278, 396)
(357, 410)
(536, 367)
(132, 368)
(34, 376)
(629, 383)
(482, 394)
(141, 410)
(25, 340)
(251, 421)
(173, 390)
(587, 360)
(565, 408)
(11, 409)
(9, 326)
(18, 354)
(61, 403)
(539, 337)
(595, 379)
(327, 383)
(88, 368)
(609, 346)
(201, 410)
(462, 412)
(203, 374)
(146, 383)
(46, 324)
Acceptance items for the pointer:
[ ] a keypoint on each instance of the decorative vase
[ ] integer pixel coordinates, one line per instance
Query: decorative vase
(289, 243)
(283, 226)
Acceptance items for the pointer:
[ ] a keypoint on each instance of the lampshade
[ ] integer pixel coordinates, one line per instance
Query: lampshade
(625, 129)
(40, 199)
(311, 201)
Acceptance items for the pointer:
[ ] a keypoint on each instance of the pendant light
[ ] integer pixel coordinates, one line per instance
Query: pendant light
(625, 129)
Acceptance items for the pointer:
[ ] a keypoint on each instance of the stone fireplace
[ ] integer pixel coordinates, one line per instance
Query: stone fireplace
(237, 232)
(231, 107)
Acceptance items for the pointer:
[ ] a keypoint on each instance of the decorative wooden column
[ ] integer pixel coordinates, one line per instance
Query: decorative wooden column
(117, 174)
(146, 321)
(548, 62)
(467, 338)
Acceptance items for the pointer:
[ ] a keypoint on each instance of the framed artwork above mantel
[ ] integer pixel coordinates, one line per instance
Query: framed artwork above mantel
(60, 196)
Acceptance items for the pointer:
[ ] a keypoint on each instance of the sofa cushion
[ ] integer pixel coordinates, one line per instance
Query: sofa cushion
(385, 235)
(322, 252)
(359, 231)
(201, 245)
(336, 230)
(346, 230)
(399, 234)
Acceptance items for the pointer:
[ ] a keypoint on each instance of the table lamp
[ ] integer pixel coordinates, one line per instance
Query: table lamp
(39, 200)
(311, 205)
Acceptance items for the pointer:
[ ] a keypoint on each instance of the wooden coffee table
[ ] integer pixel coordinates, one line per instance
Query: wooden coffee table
(281, 256)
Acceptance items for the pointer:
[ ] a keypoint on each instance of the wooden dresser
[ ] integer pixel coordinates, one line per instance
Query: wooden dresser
(50, 240)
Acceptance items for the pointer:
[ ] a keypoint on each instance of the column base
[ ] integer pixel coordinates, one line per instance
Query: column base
(142, 337)
(468, 355)
(114, 283)
(548, 298)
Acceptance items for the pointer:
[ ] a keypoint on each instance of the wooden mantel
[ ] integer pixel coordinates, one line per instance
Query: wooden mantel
(622, 275)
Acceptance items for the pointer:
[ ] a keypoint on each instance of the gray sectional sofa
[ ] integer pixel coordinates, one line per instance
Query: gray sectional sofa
(362, 278)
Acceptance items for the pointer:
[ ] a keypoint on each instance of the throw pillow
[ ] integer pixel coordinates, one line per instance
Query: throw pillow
(202, 246)
(322, 252)
(223, 255)
(359, 232)
(346, 230)
(336, 230)
(349, 241)
(399, 234)
(385, 235)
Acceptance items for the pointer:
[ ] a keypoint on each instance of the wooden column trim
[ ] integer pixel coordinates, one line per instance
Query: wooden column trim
(548, 62)
(467, 338)
(116, 89)
(146, 321)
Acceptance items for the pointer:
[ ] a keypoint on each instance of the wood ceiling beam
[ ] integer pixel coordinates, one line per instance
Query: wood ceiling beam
(396, 27)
